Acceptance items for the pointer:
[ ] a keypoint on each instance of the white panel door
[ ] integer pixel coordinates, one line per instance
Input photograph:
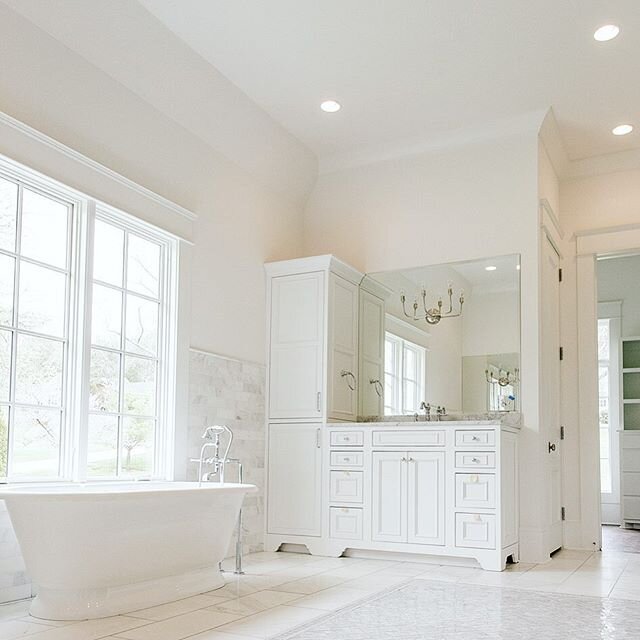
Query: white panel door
(297, 335)
(389, 511)
(371, 347)
(426, 497)
(343, 349)
(550, 391)
(295, 479)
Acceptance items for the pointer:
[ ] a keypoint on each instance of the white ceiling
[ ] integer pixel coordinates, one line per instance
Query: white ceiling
(408, 70)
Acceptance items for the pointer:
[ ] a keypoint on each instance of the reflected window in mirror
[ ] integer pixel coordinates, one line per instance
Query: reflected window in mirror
(404, 375)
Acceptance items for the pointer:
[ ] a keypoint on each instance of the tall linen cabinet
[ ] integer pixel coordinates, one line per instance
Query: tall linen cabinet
(312, 378)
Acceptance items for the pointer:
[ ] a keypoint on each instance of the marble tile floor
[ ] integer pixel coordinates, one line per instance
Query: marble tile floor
(616, 538)
(282, 591)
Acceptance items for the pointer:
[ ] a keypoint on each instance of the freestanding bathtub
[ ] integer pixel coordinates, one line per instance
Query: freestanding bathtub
(96, 550)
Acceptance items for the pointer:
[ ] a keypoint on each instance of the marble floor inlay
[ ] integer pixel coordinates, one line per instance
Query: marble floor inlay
(430, 610)
(282, 592)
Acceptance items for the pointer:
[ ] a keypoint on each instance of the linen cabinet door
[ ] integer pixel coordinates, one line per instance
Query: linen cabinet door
(296, 346)
(389, 509)
(426, 499)
(294, 504)
(343, 349)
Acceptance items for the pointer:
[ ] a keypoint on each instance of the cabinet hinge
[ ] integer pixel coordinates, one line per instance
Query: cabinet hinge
(562, 432)
(559, 275)
(563, 513)
(561, 353)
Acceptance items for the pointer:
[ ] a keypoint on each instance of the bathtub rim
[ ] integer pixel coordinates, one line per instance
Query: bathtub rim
(121, 489)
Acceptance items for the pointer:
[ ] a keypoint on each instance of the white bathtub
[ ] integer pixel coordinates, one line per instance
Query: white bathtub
(97, 550)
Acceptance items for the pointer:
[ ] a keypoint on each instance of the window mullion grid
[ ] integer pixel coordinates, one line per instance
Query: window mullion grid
(81, 357)
(123, 344)
(162, 404)
(14, 333)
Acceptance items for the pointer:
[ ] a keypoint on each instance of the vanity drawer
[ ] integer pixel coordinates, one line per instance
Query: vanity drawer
(475, 490)
(475, 530)
(345, 523)
(476, 438)
(346, 486)
(476, 459)
(347, 459)
(347, 438)
(400, 438)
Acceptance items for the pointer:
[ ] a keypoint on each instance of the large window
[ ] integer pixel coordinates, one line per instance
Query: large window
(404, 375)
(85, 336)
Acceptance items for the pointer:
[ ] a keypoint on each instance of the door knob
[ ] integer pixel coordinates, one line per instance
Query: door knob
(552, 447)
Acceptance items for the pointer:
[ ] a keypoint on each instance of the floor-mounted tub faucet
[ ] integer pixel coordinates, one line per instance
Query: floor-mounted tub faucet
(211, 437)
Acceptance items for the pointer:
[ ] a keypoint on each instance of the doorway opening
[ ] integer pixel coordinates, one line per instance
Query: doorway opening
(618, 344)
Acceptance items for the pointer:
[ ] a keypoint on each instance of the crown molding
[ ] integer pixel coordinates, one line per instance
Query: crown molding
(76, 156)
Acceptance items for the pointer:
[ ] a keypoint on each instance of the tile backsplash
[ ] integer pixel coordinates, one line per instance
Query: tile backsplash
(232, 392)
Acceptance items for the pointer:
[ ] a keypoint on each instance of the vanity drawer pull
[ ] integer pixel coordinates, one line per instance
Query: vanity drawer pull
(478, 459)
(347, 438)
(484, 438)
(347, 459)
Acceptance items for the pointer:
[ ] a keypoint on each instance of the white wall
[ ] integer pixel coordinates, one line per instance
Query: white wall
(463, 202)
(243, 219)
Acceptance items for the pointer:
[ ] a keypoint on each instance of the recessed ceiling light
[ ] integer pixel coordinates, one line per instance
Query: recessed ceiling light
(517, 267)
(330, 106)
(622, 130)
(490, 268)
(606, 32)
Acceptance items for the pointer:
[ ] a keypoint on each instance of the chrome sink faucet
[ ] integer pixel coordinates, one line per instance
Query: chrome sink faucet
(426, 407)
(440, 412)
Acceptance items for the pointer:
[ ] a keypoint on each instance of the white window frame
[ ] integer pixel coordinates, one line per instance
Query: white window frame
(75, 407)
(398, 406)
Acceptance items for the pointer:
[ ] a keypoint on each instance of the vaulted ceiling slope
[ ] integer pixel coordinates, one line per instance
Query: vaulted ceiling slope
(408, 70)
(121, 38)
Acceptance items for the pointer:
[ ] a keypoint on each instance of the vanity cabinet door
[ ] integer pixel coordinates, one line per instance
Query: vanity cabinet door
(343, 349)
(296, 346)
(371, 364)
(426, 497)
(294, 504)
(389, 510)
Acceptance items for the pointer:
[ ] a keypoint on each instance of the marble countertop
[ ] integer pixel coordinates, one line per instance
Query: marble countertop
(511, 419)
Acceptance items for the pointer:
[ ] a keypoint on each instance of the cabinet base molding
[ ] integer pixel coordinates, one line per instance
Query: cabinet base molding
(489, 560)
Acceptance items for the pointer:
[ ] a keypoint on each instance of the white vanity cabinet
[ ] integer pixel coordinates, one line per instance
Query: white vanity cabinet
(440, 489)
(408, 500)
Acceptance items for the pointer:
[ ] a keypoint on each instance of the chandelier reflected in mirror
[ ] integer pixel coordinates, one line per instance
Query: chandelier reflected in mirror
(432, 315)
(503, 378)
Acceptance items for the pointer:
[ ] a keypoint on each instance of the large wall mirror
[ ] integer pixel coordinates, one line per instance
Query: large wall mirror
(451, 338)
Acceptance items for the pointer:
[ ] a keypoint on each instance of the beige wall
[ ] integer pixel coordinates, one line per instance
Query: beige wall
(243, 221)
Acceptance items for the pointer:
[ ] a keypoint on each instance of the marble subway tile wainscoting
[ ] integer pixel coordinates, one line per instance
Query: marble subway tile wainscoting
(231, 392)
(14, 580)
